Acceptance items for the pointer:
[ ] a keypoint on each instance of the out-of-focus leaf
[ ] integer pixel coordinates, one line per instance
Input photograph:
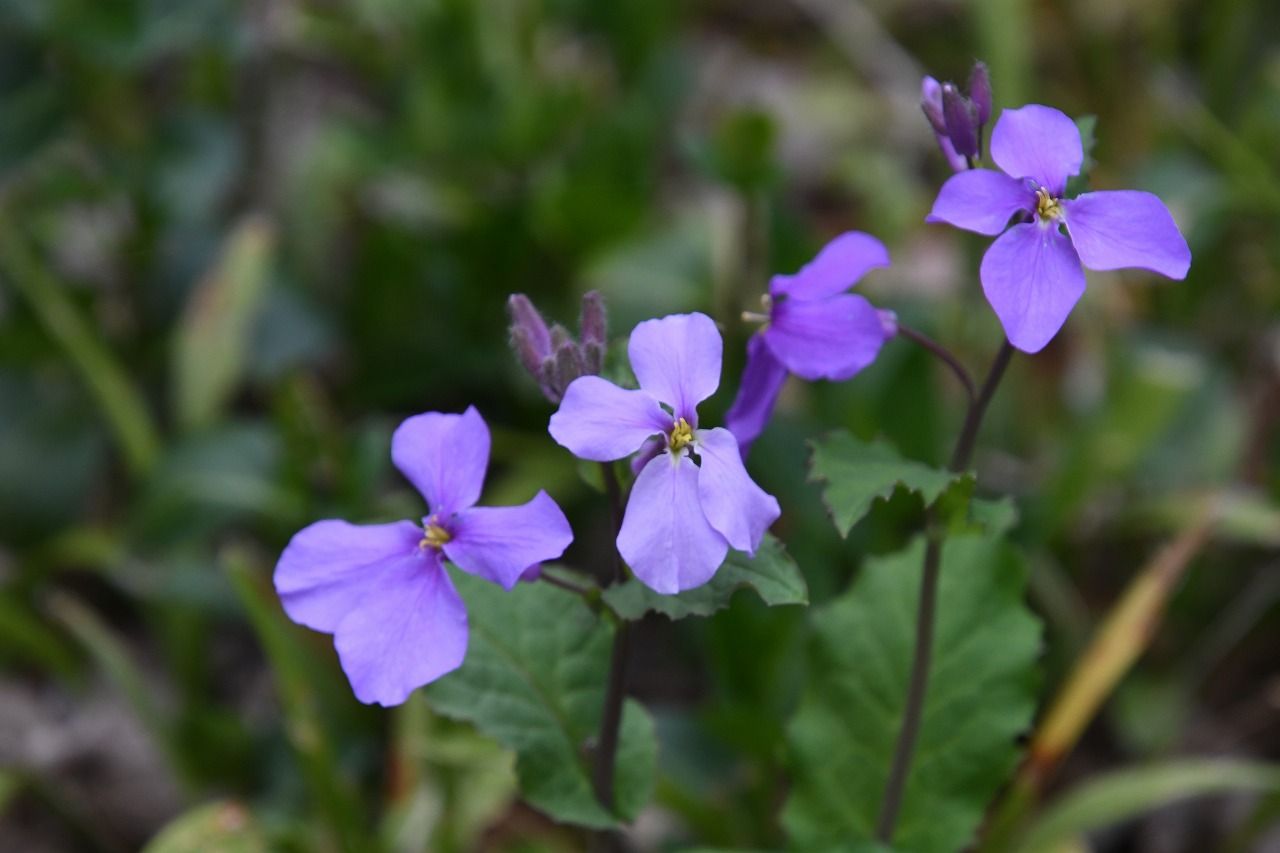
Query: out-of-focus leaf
(772, 573)
(1124, 794)
(981, 696)
(25, 636)
(226, 827)
(534, 679)
(214, 332)
(857, 472)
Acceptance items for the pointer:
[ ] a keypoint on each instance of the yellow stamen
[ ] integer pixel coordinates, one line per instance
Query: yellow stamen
(1047, 207)
(436, 536)
(681, 434)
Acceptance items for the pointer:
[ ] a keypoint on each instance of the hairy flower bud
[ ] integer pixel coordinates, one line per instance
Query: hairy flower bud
(568, 367)
(593, 322)
(931, 104)
(962, 121)
(529, 336)
(980, 92)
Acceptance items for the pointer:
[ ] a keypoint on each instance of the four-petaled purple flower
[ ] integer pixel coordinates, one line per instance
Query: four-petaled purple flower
(692, 499)
(813, 329)
(382, 589)
(1032, 274)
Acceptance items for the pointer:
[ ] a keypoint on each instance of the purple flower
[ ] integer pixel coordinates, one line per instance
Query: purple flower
(813, 329)
(693, 499)
(1032, 274)
(382, 589)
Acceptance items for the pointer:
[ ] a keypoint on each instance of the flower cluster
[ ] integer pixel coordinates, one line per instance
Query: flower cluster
(384, 591)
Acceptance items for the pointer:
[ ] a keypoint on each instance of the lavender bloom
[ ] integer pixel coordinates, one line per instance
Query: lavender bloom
(692, 500)
(382, 589)
(931, 103)
(813, 329)
(1032, 274)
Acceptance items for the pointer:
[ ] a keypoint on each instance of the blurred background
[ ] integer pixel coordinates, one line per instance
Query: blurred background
(240, 241)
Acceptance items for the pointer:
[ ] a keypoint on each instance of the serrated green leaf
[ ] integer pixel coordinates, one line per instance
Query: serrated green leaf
(857, 472)
(1122, 794)
(226, 827)
(772, 573)
(534, 679)
(981, 696)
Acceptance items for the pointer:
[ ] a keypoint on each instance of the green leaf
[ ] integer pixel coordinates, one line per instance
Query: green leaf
(214, 333)
(1123, 794)
(857, 472)
(772, 573)
(226, 827)
(534, 679)
(981, 696)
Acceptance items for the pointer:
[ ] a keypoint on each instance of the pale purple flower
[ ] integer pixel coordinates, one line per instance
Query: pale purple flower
(382, 589)
(813, 329)
(692, 500)
(1032, 274)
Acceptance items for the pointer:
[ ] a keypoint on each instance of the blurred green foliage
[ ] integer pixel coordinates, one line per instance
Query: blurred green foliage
(240, 240)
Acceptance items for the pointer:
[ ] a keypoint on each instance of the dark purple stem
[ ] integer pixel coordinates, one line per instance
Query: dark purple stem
(616, 692)
(942, 354)
(926, 611)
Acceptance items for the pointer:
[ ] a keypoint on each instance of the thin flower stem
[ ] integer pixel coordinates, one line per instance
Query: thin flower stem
(616, 692)
(942, 354)
(927, 610)
(576, 589)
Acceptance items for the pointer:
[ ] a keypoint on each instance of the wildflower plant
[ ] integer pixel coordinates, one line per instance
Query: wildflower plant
(921, 676)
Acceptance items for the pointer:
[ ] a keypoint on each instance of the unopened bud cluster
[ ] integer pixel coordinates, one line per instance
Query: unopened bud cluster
(958, 119)
(551, 355)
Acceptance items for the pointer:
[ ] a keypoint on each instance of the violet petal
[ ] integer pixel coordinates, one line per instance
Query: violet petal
(1040, 143)
(1126, 228)
(677, 359)
(734, 505)
(836, 267)
(444, 456)
(831, 339)
(981, 200)
(500, 543)
(599, 421)
(762, 381)
(1032, 278)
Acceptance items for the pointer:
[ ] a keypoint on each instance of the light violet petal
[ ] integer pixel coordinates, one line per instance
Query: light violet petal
(327, 567)
(1032, 278)
(1126, 228)
(835, 269)
(733, 504)
(831, 339)
(762, 381)
(408, 631)
(981, 200)
(1040, 143)
(599, 421)
(665, 538)
(677, 359)
(500, 543)
(444, 456)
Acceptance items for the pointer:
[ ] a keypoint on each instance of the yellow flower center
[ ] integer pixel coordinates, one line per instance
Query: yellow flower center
(434, 536)
(1047, 207)
(681, 434)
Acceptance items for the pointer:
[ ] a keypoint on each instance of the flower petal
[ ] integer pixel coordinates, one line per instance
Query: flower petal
(733, 504)
(830, 339)
(1039, 143)
(665, 538)
(1126, 228)
(1032, 278)
(444, 456)
(328, 566)
(410, 629)
(981, 200)
(599, 421)
(677, 360)
(762, 380)
(834, 270)
(500, 543)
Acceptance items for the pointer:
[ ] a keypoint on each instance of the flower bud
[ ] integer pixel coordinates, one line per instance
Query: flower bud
(931, 104)
(980, 92)
(593, 322)
(568, 367)
(529, 336)
(962, 121)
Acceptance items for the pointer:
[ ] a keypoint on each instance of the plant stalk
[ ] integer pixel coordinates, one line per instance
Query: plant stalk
(926, 611)
(606, 752)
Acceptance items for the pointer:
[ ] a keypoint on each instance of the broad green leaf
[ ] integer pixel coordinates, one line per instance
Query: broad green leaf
(772, 573)
(857, 472)
(534, 679)
(981, 696)
(227, 827)
(1123, 794)
(214, 333)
